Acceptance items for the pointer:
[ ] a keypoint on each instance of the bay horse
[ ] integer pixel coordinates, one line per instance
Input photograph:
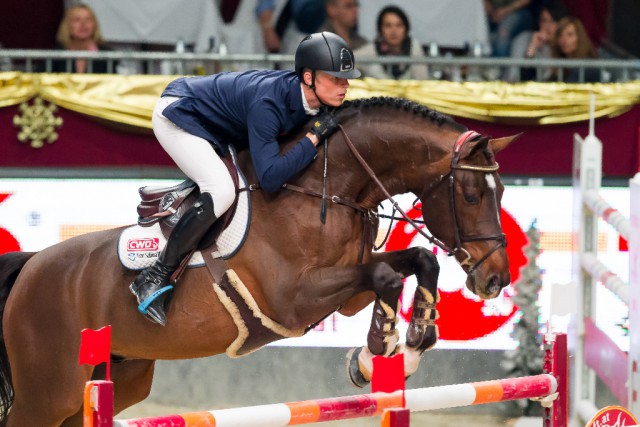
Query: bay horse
(296, 268)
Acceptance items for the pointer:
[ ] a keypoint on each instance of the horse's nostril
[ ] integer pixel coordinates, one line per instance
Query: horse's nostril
(494, 285)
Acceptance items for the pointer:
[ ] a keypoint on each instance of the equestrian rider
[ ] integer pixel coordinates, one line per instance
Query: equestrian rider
(197, 118)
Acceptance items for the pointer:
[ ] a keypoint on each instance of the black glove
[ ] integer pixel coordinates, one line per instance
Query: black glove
(324, 125)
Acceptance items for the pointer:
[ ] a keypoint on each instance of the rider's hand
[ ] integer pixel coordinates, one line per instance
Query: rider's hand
(324, 125)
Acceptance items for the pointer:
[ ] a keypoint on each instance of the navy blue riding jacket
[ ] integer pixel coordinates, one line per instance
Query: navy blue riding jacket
(246, 109)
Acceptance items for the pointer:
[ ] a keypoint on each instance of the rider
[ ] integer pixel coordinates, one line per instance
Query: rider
(197, 118)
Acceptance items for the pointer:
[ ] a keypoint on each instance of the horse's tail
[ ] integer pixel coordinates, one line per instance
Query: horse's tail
(10, 265)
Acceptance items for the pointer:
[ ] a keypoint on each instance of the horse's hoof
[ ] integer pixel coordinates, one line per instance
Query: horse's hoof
(353, 368)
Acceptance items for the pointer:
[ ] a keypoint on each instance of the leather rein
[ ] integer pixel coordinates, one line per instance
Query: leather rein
(370, 214)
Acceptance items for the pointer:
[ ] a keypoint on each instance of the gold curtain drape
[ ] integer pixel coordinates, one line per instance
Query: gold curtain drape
(130, 99)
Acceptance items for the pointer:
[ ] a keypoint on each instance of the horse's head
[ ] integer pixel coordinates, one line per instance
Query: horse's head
(462, 210)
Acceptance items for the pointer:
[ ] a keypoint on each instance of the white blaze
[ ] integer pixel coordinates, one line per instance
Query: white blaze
(491, 182)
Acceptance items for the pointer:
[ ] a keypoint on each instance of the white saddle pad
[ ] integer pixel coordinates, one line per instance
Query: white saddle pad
(139, 247)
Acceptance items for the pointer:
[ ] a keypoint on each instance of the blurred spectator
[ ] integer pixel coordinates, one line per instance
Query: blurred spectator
(393, 39)
(507, 19)
(297, 19)
(266, 20)
(80, 30)
(536, 44)
(248, 26)
(572, 42)
(342, 19)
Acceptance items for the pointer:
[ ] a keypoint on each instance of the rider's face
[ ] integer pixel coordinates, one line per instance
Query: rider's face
(331, 90)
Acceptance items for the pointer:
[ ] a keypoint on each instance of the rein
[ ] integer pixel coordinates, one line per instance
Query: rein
(455, 165)
(369, 215)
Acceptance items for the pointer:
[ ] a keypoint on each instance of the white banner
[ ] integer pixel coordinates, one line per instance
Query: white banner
(36, 213)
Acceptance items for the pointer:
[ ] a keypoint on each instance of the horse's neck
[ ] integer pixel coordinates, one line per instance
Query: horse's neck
(403, 158)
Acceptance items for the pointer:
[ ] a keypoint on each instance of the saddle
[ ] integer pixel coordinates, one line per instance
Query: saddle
(166, 205)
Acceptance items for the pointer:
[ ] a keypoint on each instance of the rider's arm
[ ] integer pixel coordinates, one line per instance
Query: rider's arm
(272, 168)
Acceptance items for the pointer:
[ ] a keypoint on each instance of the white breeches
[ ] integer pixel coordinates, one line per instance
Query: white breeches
(196, 157)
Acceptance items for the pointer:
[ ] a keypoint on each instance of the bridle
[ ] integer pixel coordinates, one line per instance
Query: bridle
(459, 238)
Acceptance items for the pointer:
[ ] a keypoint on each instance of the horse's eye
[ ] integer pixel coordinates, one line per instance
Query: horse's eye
(472, 199)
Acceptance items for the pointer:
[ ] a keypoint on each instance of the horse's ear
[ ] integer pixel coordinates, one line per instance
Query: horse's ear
(499, 144)
(478, 145)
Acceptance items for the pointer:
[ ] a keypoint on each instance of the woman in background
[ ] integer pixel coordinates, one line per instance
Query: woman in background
(537, 44)
(393, 39)
(571, 41)
(80, 30)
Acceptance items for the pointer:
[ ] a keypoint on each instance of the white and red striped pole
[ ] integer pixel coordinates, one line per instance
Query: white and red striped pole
(358, 406)
(364, 405)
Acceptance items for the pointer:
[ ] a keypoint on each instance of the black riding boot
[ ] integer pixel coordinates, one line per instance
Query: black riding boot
(152, 286)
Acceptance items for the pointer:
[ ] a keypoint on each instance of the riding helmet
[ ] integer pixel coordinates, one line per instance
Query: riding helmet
(326, 52)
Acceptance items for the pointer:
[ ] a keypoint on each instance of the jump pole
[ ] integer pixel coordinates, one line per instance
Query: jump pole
(368, 405)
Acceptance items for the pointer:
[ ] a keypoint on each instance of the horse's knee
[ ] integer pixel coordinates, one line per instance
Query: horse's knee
(387, 283)
(426, 260)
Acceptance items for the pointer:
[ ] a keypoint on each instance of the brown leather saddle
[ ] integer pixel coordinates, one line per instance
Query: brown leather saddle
(166, 205)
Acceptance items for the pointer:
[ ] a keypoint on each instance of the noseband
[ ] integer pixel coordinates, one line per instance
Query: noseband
(459, 238)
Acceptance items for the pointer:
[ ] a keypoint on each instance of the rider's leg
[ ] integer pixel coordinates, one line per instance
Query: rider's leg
(152, 285)
(199, 161)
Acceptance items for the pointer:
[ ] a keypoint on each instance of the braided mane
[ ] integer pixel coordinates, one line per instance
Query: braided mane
(405, 104)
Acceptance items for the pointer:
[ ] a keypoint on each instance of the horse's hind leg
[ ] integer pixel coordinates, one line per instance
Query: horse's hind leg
(47, 398)
(47, 379)
(131, 384)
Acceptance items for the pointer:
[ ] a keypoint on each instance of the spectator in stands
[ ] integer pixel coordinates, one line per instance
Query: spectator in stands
(572, 42)
(507, 19)
(80, 30)
(393, 39)
(342, 19)
(297, 19)
(537, 44)
(266, 21)
(247, 26)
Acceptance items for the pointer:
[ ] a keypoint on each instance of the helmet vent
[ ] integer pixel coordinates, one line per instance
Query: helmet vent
(346, 60)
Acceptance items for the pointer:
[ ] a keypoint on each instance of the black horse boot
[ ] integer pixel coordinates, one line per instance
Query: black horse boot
(152, 286)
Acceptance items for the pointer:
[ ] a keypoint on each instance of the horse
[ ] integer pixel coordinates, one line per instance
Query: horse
(295, 268)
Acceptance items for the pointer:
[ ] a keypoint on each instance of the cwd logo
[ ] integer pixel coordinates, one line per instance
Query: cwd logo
(8, 243)
(463, 316)
(146, 244)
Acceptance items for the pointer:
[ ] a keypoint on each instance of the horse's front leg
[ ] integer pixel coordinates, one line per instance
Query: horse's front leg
(422, 333)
